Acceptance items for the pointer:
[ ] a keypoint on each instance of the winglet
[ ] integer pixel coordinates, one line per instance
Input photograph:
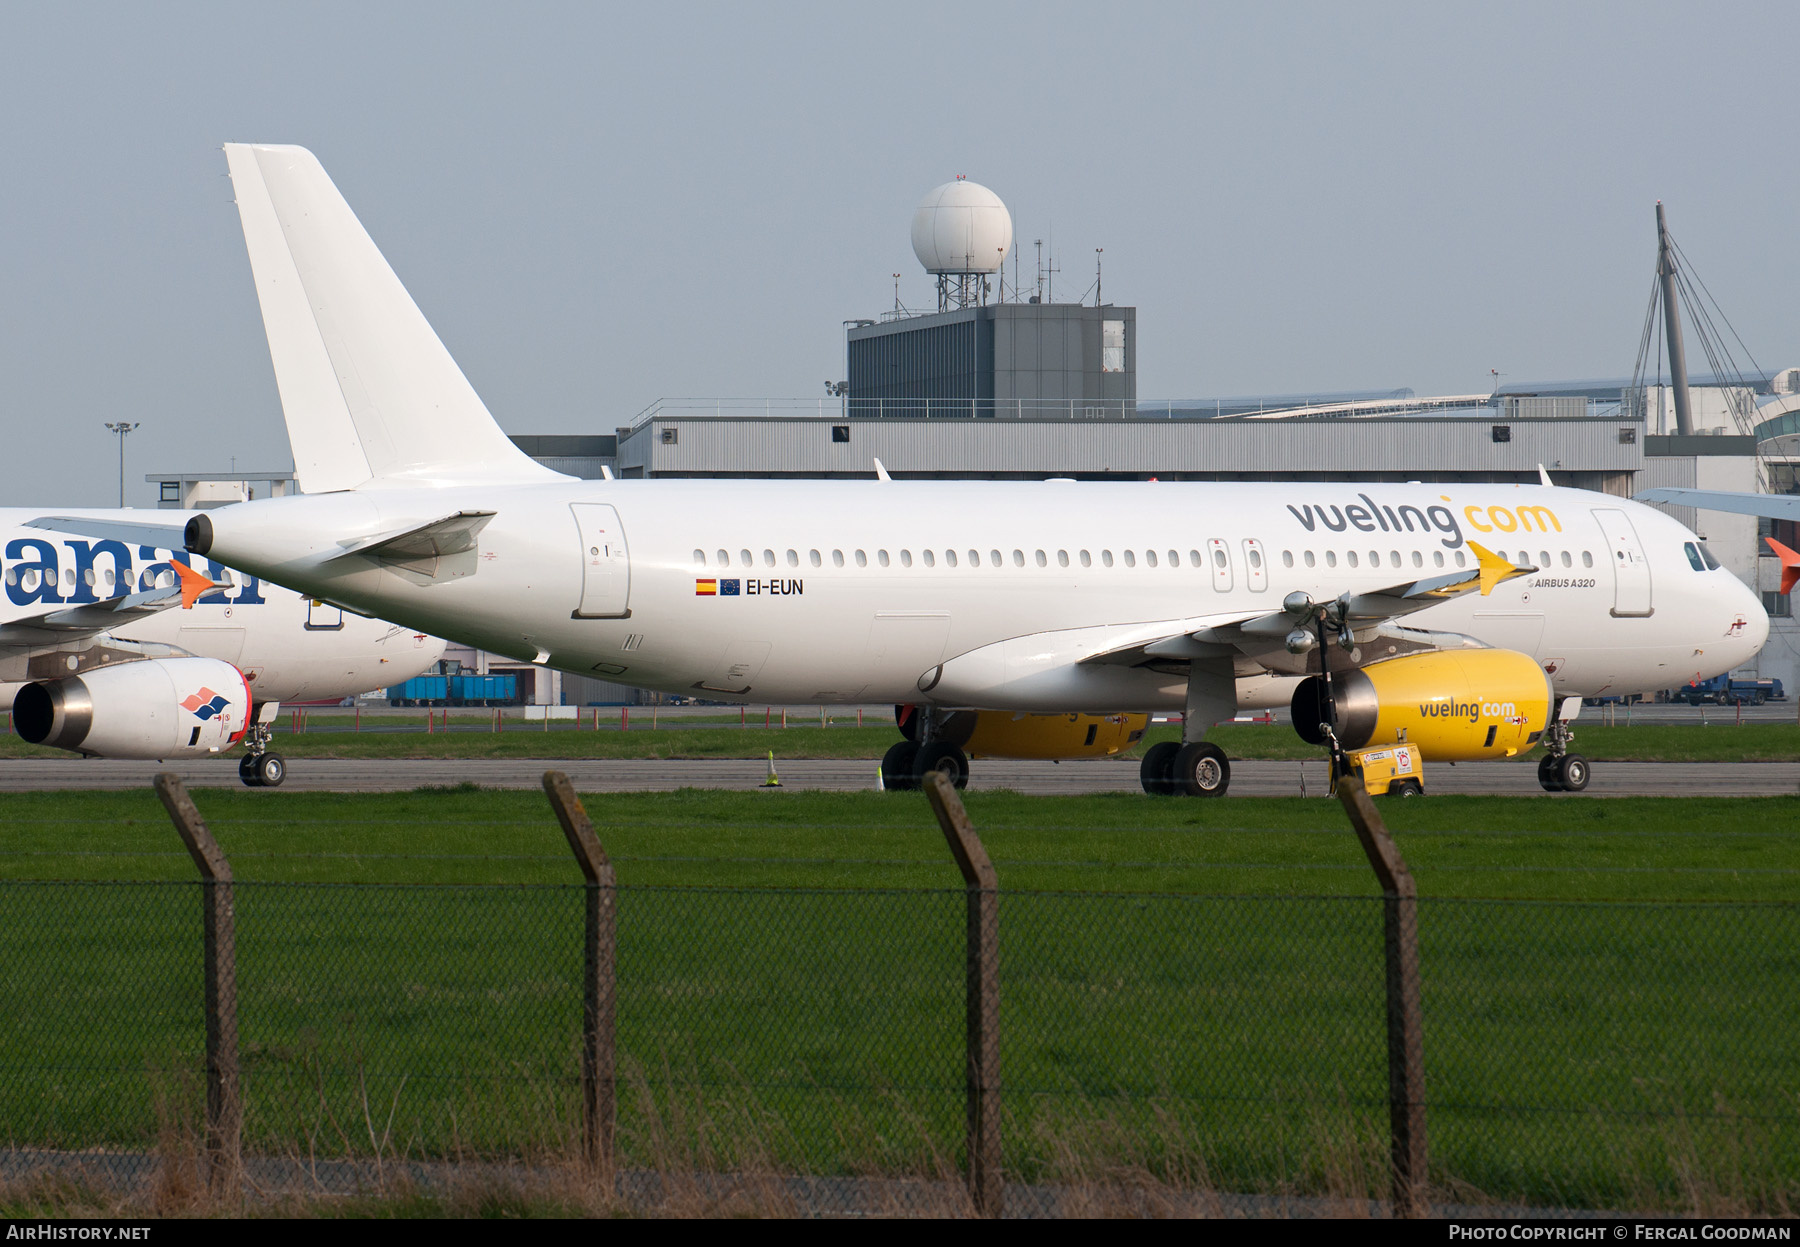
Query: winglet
(1494, 569)
(193, 584)
(1790, 564)
(881, 473)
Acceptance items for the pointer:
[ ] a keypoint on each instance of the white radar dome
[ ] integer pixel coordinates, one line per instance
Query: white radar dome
(961, 227)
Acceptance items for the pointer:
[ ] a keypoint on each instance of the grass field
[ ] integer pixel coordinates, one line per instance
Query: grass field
(470, 737)
(1178, 981)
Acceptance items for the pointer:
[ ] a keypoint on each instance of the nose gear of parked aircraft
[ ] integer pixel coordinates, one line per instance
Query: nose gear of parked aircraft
(259, 768)
(1559, 770)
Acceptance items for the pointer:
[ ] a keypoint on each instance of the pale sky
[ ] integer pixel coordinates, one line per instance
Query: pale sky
(599, 205)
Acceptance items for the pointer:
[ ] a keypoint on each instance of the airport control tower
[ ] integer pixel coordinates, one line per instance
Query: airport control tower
(1023, 356)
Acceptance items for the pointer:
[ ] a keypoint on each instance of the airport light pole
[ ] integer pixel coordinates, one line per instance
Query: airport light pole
(119, 429)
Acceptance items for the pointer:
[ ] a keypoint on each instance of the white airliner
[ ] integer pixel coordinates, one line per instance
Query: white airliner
(120, 649)
(1002, 619)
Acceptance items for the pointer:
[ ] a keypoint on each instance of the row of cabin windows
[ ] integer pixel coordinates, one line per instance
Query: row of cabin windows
(722, 558)
(107, 577)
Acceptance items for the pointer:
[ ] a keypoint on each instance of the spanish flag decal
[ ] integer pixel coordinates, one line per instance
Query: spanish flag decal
(706, 588)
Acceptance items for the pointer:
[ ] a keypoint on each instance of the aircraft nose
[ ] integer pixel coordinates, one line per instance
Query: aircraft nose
(1754, 633)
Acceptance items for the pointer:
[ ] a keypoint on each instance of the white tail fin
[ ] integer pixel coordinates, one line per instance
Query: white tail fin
(368, 391)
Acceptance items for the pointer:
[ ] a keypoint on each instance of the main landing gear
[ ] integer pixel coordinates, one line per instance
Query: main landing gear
(259, 768)
(906, 764)
(1559, 770)
(1196, 769)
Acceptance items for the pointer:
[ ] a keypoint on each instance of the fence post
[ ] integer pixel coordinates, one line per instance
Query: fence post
(1405, 1037)
(598, 1089)
(224, 1110)
(986, 1188)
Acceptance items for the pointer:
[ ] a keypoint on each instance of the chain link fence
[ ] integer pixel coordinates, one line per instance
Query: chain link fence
(1618, 1054)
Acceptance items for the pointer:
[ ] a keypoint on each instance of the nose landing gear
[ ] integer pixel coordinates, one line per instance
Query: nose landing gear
(259, 768)
(1559, 770)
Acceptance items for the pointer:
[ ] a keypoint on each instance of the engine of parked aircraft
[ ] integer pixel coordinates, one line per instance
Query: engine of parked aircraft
(1003, 734)
(1454, 705)
(158, 708)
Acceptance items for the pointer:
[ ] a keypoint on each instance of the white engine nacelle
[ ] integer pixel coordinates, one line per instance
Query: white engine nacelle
(159, 708)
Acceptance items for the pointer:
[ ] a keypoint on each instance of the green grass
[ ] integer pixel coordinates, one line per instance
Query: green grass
(790, 975)
(388, 738)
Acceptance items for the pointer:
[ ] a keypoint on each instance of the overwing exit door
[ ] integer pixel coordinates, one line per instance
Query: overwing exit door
(605, 563)
(1631, 569)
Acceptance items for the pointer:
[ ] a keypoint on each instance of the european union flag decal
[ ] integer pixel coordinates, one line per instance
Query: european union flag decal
(728, 588)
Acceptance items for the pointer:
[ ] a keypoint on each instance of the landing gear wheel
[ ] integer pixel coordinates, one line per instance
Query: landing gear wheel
(1155, 771)
(271, 769)
(941, 755)
(247, 770)
(1547, 776)
(1407, 788)
(897, 767)
(1572, 772)
(1200, 770)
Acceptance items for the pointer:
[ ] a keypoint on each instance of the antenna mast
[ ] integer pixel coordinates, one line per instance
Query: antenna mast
(1678, 377)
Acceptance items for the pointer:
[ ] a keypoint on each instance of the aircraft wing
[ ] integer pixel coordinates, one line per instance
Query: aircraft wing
(71, 623)
(1370, 618)
(1773, 506)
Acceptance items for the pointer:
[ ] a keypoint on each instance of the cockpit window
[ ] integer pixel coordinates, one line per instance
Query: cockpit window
(1693, 554)
(1712, 564)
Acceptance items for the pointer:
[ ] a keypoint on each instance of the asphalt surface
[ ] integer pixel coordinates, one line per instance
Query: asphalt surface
(1248, 779)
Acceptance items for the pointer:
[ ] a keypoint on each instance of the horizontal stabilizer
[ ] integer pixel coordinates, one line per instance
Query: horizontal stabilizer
(1772, 506)
(443, 549)
(131, 532)
(367, 389)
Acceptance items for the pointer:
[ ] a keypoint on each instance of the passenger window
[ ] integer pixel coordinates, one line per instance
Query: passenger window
(837, 558)
(722, 559)
(862, 560)
(975, 558)
(949, 558)
(1041, 560)
(906, 558)
(1418, 559)
(1087, 560)
(1130, 559)
(1218, 558)
(1106, 558)
(1587, 558)
(1567, 561)
(1543, 558)
(1394, 558)
(994, 558)
(1255, 558)
(1331, 558)
(929, 557)
(1351, 556)
(700, 557)
(1310, 561)
(1062, 558)
(1437, 558)
(744, 557)
(1287, 558)
(1174, 558)
(793, 558)
(1193, 558)
(1150, 558)
(1460, 561)
(768, 558)
(1712, 564)
(1019, 558)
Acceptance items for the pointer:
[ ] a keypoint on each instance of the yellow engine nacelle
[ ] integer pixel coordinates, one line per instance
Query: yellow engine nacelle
(1003, 734)
(1455, 705)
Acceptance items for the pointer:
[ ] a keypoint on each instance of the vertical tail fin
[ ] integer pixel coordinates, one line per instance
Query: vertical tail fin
(368, 391)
